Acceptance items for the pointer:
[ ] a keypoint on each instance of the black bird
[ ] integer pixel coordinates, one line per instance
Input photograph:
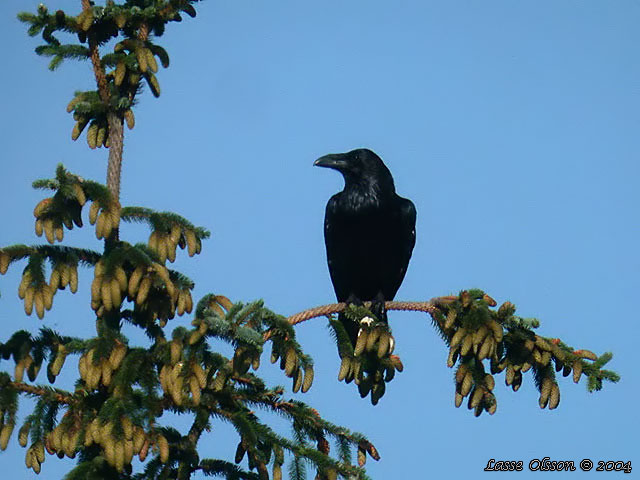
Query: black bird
(369, 232)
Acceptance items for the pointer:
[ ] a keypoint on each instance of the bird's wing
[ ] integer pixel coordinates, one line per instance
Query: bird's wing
(336, 249)
(407, 238)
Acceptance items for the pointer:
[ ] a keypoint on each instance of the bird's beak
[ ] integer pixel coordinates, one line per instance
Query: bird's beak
(337, 161)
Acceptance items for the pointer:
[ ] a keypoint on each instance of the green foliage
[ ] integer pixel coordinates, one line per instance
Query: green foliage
(132, 60)
(477, 334)
(123, 390)
(371, 363)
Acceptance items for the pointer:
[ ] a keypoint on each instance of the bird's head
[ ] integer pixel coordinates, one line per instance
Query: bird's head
(360, 166)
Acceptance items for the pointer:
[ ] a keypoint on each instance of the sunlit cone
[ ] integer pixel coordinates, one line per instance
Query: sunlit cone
(458, 337)
(189, 301)
(545, 391)
(219, 381)
(362, 456)
(138, 439)
(109, 446)
(82, 367)
(452, 358)
(478, 336)
(476, 397)
(58, 232)
(121, 276)
(134, 281)
(142, 59)
(93, 212)
(116, 296)
(588, 354)
(79, 127)
(5, 434)
(466, 345)
(105, 293)
(128, 451)
(529, 344)
(130, 119)
(542, 344)
(308, 378)
(506, 310)
(509, 376)
(361, 342)
(517, 381)
(345, 366)
(537, 356)
(486, 348)
(372, 338)
(489, 381)
(466, 384)
(119, 73)
(195, 337)
(276, 472)
(397, 363)
(101, 226)
(143, 291)
(297, 380)
(29, 295)
(70, 271)
(554, 397)
(577, 370)
(25, 283)
(85, 19)
(142, 455)
(458, 399)
(23, 434)
(106, 372)
(194, 388)
(496, 330)
(190, 238)
(42, 206)
(180, 307)
(56, 437)
(461, 372)
(92, 135)
(151, 60)
(451, 318)
(383, 344)
(47, 225)
(291, 362)
(72, 104)
(117, 355)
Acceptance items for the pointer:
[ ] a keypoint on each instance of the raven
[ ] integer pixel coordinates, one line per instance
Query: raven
(369, 233)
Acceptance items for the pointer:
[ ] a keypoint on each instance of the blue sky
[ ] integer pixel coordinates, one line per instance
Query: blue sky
(511, 125)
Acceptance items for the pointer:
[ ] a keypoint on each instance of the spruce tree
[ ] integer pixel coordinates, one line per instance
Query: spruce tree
(114, 413)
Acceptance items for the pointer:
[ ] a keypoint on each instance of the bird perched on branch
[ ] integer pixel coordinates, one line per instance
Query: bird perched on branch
(369, 233)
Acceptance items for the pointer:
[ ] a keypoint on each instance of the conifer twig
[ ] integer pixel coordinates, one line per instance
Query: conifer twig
(114, 121)
(324, 310)
(41, 392)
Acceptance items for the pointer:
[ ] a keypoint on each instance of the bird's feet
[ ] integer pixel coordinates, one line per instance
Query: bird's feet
(378, 308)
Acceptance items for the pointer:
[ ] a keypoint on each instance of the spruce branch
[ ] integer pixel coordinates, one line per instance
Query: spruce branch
(324, 310)
(474, 333)
(48, 393)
